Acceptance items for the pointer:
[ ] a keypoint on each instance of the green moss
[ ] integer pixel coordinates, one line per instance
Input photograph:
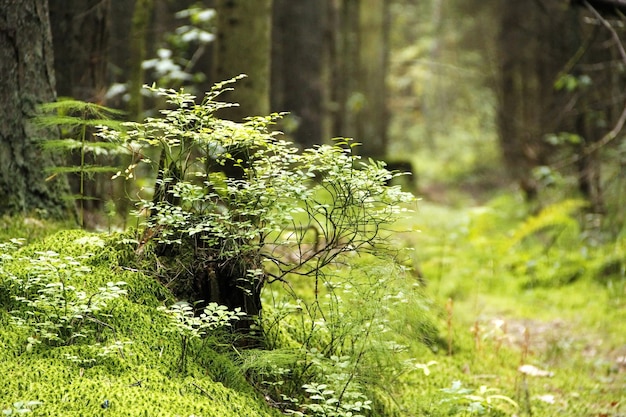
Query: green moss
(139, 379)
(30, 229)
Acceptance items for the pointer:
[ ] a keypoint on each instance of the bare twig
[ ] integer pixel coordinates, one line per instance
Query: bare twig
(202, 390)
(619, 125)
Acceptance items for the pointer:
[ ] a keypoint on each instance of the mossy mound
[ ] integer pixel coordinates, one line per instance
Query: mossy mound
(127, 363)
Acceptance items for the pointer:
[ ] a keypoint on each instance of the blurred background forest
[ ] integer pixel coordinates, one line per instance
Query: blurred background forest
(470, 96)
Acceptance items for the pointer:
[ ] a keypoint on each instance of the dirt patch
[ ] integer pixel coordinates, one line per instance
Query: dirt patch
(553, 341)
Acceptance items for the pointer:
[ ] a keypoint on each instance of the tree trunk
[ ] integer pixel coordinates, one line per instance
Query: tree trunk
(359, 58)
(297, 67)
(243, 47)
(81, 41)
(138, 48)
(27, 68)
(536, 41)
(119, 54)
(373, 116)
(599, 106)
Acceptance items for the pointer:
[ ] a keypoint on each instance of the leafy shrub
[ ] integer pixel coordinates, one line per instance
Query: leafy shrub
(234, 207)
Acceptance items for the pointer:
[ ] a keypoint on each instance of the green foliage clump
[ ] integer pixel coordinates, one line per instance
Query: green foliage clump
(234, 207)
(188, 325)
(346, 337)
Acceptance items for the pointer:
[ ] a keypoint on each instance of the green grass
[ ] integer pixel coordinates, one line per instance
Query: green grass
(498, 287)
(572, 325)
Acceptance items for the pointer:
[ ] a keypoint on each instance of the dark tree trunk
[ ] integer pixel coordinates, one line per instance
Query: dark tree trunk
(537, 40)
(542, 44)
(373, 117)
(138, 47)
(598, 105)
(243, 47)
(81, 40)
(344, 61)
(27, 79)
(297, 67)
(359, 58)
(121, 15)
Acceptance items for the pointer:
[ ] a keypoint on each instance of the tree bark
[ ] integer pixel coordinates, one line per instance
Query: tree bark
(359, 58)
(373, 116)
(80, 32)
(243, 47)
(141, 21)
(344, 62)
(297, 67)
(27, 68)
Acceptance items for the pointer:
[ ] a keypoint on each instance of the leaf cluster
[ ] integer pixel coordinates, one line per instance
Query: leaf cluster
(51, 307)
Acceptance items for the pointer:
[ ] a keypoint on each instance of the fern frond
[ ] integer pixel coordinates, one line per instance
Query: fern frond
(66, 105)
(48, 120)
(555, 215)
(86, 169)
(60, 145)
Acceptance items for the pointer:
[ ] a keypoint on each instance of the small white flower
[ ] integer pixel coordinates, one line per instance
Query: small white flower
(546, 398)
(532, 370)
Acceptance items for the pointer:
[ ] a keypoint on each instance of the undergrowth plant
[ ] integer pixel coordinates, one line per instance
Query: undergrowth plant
(342, 338)
(50, 306)
(481, 401)
(77, 121)
(189, 325)
(235, 207)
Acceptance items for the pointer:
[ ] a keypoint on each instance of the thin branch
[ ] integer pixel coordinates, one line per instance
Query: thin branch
(607, 25)
(619, 125)
(202, 390)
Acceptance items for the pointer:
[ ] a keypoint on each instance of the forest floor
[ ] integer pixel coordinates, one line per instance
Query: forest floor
(518, 321)
(530, 311)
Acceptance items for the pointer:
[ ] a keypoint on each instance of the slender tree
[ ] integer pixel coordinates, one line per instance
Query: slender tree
(138, 48)
(561, 99)
(80, 32)
(243, 47)
(373, 115)
(536, 41)
(344, 61)
(298, 59)
(359, 58)
(27, 79)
